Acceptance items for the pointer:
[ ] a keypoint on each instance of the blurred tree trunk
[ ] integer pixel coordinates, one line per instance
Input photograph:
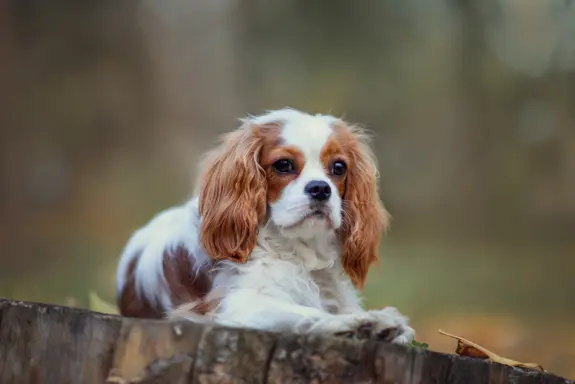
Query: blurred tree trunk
(476, 178)
(77, 93)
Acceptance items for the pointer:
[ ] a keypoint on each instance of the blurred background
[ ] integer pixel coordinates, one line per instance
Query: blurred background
(105, 107)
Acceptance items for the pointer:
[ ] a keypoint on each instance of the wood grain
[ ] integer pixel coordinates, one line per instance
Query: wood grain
(41, 343)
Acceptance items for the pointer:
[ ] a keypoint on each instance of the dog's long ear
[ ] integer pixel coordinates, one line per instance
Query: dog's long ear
(365, 217)
(232, 191)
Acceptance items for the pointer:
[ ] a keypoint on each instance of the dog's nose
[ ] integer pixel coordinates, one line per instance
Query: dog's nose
(318, 190)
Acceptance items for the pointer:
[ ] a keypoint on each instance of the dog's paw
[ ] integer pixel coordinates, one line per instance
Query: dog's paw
(390, 325)
(385, 324)
(362, 329)
(347, 325)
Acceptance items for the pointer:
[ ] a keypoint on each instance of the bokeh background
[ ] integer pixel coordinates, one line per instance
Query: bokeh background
(105, 107)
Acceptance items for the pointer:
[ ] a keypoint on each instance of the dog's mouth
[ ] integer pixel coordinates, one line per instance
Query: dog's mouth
(317, 214)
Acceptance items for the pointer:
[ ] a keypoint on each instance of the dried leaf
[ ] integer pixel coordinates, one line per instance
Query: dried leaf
(469, 348)
(71, 302)
(96, 304)
(116, 380)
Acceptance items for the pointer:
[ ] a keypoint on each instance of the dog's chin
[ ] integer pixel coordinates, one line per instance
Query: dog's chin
(311, 224)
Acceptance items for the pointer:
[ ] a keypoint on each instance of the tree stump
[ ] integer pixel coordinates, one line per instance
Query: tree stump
(50, 344)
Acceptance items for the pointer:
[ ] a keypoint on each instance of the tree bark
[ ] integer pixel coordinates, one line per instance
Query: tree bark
(50, 344)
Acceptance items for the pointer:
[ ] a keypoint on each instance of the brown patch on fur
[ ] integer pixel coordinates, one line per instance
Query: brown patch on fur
(130, 303)
(364, 216)
(233, 192)
(277, 182)
(332, 151)
(183, 284)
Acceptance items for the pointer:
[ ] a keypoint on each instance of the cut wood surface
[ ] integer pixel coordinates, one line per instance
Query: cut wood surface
(50, 344)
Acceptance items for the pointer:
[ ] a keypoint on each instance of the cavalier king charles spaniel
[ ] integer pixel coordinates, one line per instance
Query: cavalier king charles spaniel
(279, 236)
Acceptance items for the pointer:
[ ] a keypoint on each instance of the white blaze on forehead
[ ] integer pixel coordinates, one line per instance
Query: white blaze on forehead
(309, 133)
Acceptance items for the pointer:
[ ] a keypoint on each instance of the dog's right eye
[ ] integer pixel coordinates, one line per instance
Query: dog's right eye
(284, 166)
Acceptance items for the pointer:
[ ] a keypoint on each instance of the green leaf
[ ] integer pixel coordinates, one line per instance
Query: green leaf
(419, 344)
(98, 305)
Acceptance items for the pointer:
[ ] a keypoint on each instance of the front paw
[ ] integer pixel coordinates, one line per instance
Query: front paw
(386, 324)
(390, 325)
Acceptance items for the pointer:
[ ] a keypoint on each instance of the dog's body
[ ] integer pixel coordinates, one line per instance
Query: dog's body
(285, 225)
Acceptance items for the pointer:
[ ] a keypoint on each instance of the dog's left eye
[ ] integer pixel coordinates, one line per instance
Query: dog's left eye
(338, 168)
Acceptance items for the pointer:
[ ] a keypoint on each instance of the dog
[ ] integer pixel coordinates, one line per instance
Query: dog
(279, 235)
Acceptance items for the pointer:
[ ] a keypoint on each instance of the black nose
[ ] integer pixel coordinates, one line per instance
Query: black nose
(318, 190)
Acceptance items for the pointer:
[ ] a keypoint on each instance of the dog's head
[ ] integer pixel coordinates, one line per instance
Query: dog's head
(308, 174)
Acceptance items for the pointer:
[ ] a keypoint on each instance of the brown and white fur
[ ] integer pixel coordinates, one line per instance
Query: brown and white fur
(279, 237)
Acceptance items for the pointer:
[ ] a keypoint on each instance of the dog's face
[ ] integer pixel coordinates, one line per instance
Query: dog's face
(306, 171)
(307, 174)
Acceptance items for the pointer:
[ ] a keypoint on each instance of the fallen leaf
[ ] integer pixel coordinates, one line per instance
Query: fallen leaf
(419, 344)
(71, 302)
(469, 348)
(116, 380)
(98, 305)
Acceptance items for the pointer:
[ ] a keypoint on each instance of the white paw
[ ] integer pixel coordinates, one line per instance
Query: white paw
(346, 324)
(390, 325)
(384, 324)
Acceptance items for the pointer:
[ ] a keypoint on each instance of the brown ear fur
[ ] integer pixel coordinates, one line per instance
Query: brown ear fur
(233, 196)
(365, 217)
